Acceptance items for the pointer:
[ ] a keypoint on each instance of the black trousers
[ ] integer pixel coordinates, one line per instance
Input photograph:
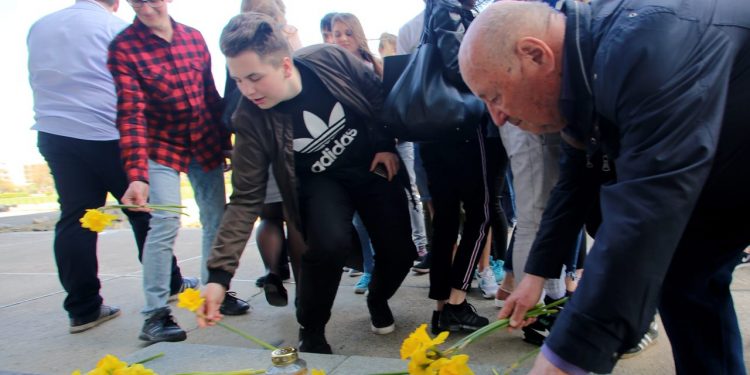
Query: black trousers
(458, 173)
(327, 206)
(84, 172)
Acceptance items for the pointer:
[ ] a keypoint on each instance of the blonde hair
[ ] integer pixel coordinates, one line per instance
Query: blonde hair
(358, 33)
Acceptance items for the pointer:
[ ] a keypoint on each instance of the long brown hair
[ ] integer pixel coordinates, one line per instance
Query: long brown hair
(352, 22)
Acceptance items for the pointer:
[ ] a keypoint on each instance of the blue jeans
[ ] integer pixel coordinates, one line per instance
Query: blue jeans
(368, 262)
(164, 188)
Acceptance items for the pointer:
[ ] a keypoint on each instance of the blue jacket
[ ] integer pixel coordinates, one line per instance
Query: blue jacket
(648, 84)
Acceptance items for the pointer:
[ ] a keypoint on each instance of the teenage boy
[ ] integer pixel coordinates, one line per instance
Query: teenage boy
(314, 118)
(169, 117)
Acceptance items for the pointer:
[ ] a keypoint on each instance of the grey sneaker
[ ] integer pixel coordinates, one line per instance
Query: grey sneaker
(105, 313)
(648, 340)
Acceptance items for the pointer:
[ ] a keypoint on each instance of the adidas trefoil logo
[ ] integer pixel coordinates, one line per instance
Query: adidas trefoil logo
(322, 134)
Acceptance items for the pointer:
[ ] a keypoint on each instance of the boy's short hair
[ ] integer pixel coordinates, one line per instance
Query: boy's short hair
(255, 32)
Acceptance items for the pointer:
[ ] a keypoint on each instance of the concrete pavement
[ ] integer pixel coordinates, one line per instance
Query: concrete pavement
(35, 336)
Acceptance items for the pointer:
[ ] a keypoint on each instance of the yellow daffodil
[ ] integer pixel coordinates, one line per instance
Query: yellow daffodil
(318, 372)
(96, 220)
(110, 363)
(76, 372)
(136, 369)
(420, 340)
(190, 299)
(457, 365)
(421, 361)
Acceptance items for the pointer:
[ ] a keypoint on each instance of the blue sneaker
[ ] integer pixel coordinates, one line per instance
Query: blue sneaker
(497, 269)
(364, 282)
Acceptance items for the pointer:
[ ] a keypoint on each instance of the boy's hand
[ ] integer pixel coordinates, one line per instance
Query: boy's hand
(524, 297)
(137, 195)
(389, 161)
(214, 295)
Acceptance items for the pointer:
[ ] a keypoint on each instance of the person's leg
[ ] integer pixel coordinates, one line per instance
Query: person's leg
(269, 236)
(78, 189)
(210, 196)
(164, 189)
(117, 182)
(441, 170)
(270, 241)
(368, 260)
(383, 207)
(329, 242)
(416, 214)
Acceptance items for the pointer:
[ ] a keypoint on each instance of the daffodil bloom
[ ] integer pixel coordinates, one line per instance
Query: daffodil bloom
(111, 363)
(190, 299)
(457, 365)
(96, 220)
(420, 340)
(318, 372)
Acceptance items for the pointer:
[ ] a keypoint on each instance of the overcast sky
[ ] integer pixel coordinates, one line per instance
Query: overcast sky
(18, 142)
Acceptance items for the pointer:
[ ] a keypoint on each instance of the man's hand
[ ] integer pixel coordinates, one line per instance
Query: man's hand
(524, 297)
(214, 295)
(137, 195)
(389, 161)
(542, 366)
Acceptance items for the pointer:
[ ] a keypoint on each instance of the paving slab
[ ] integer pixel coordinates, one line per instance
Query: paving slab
(35, 336)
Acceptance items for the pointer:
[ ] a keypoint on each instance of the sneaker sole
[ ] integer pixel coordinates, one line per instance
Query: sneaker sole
(383, 330)
(153, 340)
(87, 326)
(360, 290)
(420, 271)
(458, 328)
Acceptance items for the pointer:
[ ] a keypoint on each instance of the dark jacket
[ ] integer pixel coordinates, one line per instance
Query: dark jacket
(266, 136)
(650, 84)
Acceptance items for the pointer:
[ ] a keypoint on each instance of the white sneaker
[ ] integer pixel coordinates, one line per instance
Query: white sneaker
(487, 283)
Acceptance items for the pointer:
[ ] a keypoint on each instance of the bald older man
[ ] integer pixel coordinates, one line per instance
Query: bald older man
(659, 89)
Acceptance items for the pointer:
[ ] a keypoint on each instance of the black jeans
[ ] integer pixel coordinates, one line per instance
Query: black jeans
(84, 172)
(458, 173)
(327, 206)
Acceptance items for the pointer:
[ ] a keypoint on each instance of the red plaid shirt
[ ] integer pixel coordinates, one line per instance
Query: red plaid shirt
(168, 109)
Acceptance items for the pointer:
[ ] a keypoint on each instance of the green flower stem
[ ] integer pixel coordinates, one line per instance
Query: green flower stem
(502, 323)
(162, 207)
(521, 360)
(245, 335)
(236, 372)
(153, 357)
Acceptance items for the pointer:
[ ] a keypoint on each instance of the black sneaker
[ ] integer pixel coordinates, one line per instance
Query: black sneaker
(104, 314)
(435, 323)
(259, 282)
(381, 317)
(161, 327)
(423, 266)
(313, 342)
(537, 332)
(464, 316)
(276, 294)
(187, 282)
(648, 340)
(233, 305)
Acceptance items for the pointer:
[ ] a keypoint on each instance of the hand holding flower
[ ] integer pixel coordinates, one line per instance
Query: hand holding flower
(209, 313)
(524, 298)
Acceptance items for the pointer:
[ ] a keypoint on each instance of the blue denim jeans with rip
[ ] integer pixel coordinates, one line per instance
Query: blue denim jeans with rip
(164, 188)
